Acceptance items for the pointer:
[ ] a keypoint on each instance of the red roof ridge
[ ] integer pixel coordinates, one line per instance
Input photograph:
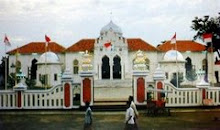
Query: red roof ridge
(182, 45)
(82, 45)
(135, 44)
(38, 47)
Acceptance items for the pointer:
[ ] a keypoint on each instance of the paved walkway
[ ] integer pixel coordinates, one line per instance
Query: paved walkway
(71, 119)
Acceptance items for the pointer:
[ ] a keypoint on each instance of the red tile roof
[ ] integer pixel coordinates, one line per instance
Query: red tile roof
(182, 45)
(38, 47)
(82, 45)
(135, 44)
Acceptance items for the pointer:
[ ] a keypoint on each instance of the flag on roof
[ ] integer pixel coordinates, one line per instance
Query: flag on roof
(173, 39)
(6, 41)
(47, 38)
(107, 44)
(207, 37)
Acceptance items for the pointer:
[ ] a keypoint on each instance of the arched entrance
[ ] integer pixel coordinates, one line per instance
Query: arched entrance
(105, 68)
(117, 67)
(33, 69)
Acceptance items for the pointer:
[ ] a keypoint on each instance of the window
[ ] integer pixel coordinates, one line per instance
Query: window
(204, 63)
(167, 75)
(117, 67)
(105, 68)
(55, 77)
(147, 62)
(75, 67)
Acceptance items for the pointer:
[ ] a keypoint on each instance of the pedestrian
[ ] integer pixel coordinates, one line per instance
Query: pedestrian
(129, 117)
(88, 117)
(133, 106)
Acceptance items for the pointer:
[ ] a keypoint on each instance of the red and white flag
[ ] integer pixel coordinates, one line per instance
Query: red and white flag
(6, 41)
(47, 39)
(107, 45)
(207, 37)
(173, 40)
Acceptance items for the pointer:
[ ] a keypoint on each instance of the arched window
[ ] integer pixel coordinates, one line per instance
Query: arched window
(188, 64)
(117, 67)
(204, 64)
(33, 69)
(105, 68)
(147, 62)
(75, 67)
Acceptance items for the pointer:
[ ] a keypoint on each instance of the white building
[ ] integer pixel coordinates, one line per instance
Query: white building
(113, 58)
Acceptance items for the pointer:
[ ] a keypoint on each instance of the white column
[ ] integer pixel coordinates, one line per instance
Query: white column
(100, 70)
(111, 69)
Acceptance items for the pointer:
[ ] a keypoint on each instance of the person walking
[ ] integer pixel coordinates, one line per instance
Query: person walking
(129, 117)
(133, 106)
(88, 117)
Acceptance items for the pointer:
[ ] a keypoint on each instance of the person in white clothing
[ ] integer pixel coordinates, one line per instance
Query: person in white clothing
(129, 117)
(133, 106)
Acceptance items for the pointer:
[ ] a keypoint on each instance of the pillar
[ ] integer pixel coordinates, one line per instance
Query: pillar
(139, 87)
(67, 84)
(86, 90)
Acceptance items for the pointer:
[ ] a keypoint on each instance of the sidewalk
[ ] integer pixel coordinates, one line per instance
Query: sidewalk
(79, 112)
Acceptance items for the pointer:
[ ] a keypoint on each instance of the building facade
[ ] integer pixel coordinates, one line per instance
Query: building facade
(113, 60)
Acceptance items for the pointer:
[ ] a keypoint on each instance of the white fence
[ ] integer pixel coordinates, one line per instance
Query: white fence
(54, 98)
(33, 99)
(186, 97)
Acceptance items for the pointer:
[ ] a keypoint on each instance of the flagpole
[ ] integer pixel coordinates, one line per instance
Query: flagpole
(45, 80)
(212, 62)
(16, 65)
(177, 75)
(5, 69)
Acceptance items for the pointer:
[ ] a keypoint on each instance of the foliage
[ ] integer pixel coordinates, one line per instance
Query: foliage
(30, 82)
(207, 25)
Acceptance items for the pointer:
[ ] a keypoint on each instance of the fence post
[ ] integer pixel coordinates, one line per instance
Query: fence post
(203, 86)
(19, 89)
(67, 83)
(159, 77)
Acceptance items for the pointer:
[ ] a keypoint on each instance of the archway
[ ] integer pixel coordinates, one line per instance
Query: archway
(117, 67)
(105, 68)
(34, 69)
(188, 64)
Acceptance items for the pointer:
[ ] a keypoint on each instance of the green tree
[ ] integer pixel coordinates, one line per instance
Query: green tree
(207, 25)
(30, 82)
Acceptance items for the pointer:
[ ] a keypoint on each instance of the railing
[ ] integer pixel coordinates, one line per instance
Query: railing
(33, 99)
(214, 94)
(8, 99)
(186, 97)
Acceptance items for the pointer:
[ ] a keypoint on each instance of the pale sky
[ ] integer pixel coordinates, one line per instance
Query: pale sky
(68, 21)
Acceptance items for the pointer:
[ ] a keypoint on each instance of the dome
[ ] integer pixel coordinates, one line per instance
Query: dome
(172, 56)
(48, 57)
(111, 26)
